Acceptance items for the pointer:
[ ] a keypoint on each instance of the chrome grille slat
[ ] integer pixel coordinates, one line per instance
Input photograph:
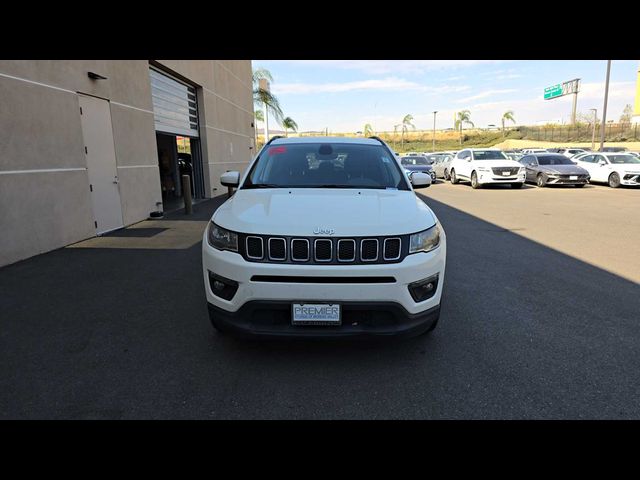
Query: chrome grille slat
(396, 241)
(249, 247)
(295, 249)
(366, 249)
(345, 250)
(276, 241)
(322, 242)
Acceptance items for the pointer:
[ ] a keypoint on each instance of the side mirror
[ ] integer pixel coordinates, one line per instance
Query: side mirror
(601, 162)
(468, 159)
(230, 179)
(419, 179)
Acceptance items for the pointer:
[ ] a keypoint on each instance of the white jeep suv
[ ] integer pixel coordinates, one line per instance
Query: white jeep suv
(486, 165)
(324, 237)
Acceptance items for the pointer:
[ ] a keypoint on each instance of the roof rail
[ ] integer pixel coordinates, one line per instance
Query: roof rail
(275, 137)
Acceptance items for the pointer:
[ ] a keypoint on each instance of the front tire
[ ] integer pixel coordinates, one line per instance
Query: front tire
(541, 181)
(446, 175)
(454, 179)
(614, 180)
(474, 181)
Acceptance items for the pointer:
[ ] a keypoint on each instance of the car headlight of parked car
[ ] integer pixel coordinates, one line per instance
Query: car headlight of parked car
(222, 239)
(426, 240)
(522, 169)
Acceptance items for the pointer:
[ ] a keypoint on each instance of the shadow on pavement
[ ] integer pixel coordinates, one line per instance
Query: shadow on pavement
(525, 332)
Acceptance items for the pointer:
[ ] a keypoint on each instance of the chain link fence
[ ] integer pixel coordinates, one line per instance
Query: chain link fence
(614, 132)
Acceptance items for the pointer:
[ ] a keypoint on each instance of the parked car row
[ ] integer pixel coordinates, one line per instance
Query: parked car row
(552, 166)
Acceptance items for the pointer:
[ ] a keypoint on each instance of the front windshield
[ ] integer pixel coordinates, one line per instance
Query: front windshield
(554, 160)
(623, 159)
(326, 165)
(415, 161)
(489, 155)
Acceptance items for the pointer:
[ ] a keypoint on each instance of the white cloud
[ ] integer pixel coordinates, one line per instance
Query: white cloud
(381, 67)
(389, 83)
(485, 94)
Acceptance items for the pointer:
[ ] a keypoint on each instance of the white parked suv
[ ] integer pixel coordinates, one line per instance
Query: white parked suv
(612, 168)
(482, 166)
(324, 237)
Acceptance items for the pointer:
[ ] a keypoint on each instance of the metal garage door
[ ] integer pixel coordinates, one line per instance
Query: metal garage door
(174, 105)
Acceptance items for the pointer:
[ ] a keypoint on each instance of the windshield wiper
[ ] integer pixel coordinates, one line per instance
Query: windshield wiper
(263, 185)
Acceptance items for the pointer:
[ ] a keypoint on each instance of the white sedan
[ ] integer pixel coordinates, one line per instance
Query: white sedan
(613, 168)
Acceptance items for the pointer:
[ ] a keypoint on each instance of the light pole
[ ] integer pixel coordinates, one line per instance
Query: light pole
(604, 108)
(593, 135)
(434, 131)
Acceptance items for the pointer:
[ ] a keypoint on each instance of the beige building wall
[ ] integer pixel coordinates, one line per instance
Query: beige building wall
(45, 201)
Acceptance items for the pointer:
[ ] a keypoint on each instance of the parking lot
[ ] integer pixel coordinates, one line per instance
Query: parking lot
(539, 320)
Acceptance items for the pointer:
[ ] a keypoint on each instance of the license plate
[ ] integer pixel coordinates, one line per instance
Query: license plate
(315, 314)
(506, 174)
(573, 177)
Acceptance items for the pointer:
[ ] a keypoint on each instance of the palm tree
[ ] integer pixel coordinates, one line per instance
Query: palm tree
(508, 116)
(289, 124)
(406, 123)
(368, 130)
(266, 99)
(464, 116)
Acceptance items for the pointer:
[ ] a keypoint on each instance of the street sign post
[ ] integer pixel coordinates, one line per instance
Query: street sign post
(553, 92)
(565, 88)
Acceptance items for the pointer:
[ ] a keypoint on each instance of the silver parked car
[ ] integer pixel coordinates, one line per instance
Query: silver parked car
(441, 165)
(553, 169)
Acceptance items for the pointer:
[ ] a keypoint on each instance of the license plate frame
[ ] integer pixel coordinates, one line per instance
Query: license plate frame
(331, 317)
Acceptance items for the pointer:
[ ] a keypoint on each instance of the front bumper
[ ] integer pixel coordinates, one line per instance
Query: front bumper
(349, 284)
(630, 179)
(490, 177)
(373, 319)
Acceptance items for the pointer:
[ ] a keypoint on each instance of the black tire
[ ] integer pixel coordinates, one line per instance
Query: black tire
(453, 177)
(580, 185)
(614, 180)
(517, 185)
(446, 175)
(541, 181)
(474, 181)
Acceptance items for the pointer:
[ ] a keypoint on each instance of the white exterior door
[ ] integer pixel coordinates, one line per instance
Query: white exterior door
(95, 116)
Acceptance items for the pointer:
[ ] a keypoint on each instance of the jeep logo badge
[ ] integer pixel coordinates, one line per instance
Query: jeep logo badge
(324, 231)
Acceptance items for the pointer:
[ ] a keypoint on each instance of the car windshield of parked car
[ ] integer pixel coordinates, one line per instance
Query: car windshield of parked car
(554, 160)
(415, 161)
(623, 159)
(489, 155)
(326, 165)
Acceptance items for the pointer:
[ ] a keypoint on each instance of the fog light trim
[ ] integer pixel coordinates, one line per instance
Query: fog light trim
(418, 291)
(222, 287)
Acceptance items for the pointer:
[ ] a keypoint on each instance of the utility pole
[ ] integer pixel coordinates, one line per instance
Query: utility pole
(593, 135)
(604, 108)
(434, 131)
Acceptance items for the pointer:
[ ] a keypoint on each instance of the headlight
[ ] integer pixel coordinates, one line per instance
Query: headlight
(425, 241)
(222, 239)
(522, 169)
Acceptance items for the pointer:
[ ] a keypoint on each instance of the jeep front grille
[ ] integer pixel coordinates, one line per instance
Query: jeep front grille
(324, 250)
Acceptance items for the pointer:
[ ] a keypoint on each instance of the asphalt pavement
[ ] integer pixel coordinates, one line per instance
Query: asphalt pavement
(527, 331)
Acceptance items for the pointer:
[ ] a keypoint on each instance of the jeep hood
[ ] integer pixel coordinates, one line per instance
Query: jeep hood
(300, 211)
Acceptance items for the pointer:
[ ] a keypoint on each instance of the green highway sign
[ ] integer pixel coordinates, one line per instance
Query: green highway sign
(553, 92)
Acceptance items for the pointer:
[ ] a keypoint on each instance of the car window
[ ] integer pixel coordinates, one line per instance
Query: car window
(587, 158)
(622, 158)
(489, 155)
(329, 165)
(463, 154)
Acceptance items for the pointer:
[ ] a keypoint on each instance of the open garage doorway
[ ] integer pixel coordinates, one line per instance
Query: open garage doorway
(178, 156)
(177, 135)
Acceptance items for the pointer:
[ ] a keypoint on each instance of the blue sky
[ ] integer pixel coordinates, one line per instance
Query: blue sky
(344, 95)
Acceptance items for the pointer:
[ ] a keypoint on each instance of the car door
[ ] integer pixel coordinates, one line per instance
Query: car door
(600, 172)
(463, 164)
(530, 163)
(586, 162)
